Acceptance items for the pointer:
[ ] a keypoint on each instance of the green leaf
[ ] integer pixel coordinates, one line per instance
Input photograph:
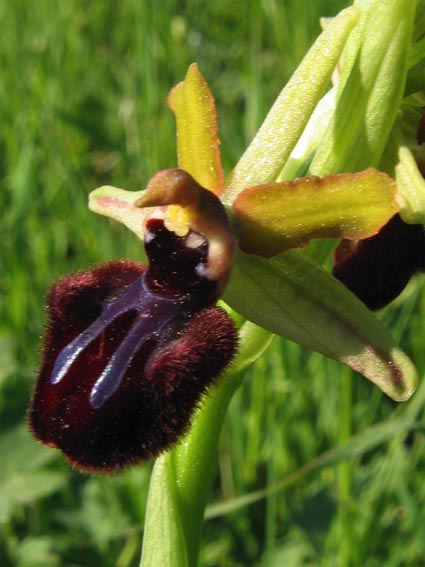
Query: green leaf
(280, 131)
(354, 447)
(291, 296)
(24, 489)
(39, 551)
(273, 218)
(21, 453)
(22, 477)
(163, 542)
(415, 80)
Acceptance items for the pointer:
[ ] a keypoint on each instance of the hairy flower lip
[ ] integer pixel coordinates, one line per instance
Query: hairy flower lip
(377, 269)
(129, 351)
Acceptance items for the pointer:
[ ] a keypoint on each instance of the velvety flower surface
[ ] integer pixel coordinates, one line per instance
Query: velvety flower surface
(128, 352)
(377, 269)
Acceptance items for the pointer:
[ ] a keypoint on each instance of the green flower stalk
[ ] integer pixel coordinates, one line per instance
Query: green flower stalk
(157, 349)
(282, 288)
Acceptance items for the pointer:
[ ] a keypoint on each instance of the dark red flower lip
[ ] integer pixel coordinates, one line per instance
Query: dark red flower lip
(155, 313)
(128, 353)
(377, 269)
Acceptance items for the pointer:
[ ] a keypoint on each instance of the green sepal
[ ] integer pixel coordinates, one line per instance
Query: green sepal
(303, 303)
(197, 130)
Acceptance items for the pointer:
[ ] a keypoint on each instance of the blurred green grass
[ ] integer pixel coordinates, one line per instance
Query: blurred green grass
(83, 104)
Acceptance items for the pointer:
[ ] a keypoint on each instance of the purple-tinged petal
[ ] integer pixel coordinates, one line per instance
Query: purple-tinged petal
(377, 269)
(272, 218)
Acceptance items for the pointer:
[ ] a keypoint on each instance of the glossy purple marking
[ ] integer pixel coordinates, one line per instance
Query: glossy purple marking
(159, 311)
(154, 312)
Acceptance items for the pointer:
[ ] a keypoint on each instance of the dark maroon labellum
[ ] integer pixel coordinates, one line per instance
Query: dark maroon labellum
(128, 352)
(377, 269)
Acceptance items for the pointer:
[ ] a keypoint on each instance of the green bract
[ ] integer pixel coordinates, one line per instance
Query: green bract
(370, 90)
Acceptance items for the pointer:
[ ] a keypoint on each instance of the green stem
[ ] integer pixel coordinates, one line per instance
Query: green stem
(195, 462)
(182, 478)
(344, 471)
(181, 483)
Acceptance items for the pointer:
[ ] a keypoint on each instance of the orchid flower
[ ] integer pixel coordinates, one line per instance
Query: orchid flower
(134, 353)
